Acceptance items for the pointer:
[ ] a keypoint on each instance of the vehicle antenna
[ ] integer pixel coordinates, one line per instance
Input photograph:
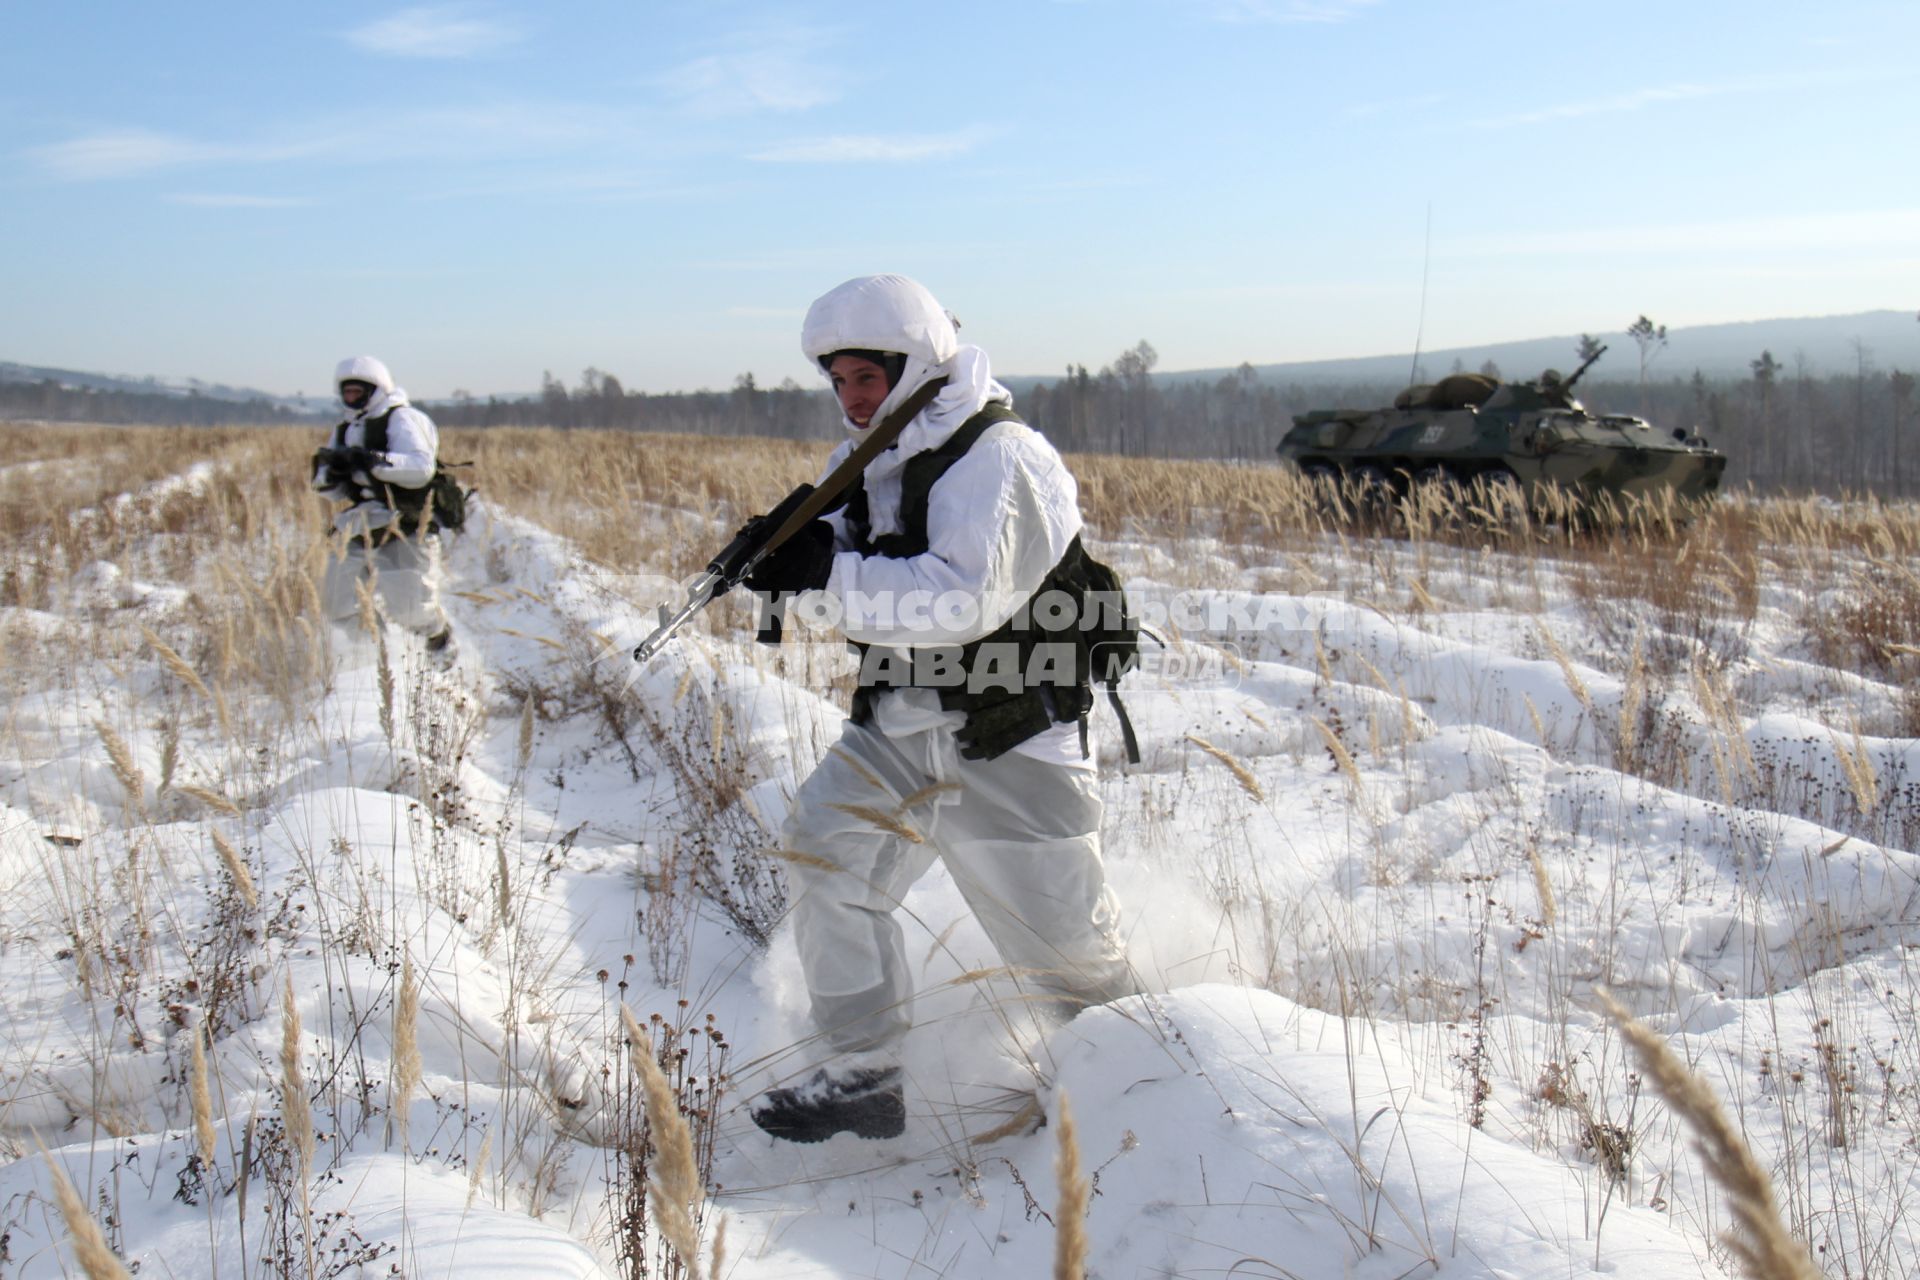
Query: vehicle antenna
(1426, 262)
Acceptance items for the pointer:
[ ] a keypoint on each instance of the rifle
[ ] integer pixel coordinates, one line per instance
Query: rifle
(756, 541)
(341, 463)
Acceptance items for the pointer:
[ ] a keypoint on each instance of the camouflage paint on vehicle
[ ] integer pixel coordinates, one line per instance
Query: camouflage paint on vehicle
(1469, 427)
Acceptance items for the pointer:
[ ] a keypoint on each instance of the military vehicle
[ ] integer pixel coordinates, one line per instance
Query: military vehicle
(1470, 429)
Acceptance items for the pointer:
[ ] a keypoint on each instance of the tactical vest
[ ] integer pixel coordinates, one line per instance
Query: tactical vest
(1036, 669)
(443, 509)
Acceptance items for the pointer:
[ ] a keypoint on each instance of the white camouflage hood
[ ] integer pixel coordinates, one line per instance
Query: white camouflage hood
(367, 369)
(894, 313)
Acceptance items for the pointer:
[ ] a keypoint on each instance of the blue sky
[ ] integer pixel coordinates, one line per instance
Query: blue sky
(477, 192)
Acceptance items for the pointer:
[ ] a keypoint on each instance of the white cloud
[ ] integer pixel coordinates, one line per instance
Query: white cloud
(774, 76)
(218, 200)
(869, 148)
(435, 31)
(491, 130)
(124, 153)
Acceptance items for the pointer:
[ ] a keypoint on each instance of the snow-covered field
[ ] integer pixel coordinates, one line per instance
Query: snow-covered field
(1406, 807)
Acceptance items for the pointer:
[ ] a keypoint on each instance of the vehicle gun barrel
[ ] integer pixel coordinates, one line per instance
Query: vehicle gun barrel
(1584, 366)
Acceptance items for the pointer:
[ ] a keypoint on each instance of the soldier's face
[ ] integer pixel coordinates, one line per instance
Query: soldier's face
(861, 385)
(354, 394)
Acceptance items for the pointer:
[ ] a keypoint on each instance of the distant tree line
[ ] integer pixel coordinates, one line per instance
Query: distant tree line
(1783, 426)
(50, 401)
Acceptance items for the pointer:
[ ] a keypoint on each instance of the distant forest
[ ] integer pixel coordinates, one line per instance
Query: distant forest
(1784, 427)
(47, 400)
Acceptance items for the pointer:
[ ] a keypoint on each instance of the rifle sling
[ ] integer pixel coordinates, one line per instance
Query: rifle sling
(850, 468)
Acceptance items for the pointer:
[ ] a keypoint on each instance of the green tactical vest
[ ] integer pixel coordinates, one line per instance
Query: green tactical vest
(1035, 670)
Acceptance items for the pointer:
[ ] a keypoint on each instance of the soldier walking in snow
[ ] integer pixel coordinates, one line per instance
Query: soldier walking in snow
(969, 504)
(381, 461)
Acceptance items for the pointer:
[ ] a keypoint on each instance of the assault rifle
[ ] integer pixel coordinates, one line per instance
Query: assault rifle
(760, 537)
(341, 463)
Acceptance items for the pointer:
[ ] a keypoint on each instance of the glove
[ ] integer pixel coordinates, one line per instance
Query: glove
(787, 506)
(343, 464)
(321, 469)
(801, 563)
(357, 459)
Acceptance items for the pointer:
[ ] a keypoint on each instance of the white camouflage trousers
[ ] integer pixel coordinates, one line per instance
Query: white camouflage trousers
(1021, 838)
(405, 572)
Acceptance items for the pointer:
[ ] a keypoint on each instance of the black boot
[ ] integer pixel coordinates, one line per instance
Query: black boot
(867, 1102)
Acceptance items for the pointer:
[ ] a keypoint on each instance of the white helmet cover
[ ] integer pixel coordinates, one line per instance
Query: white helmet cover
(883, 313)
(363, 369)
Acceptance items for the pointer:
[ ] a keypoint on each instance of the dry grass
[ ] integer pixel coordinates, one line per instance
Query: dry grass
(238, 660)
(674, 1192)
(1767, 1251)
(1070, 1211)
(90, 1248)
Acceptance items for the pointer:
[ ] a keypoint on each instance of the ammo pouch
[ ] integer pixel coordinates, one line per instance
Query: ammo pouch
(1013, 683)
(1052, 668)
(439, 504)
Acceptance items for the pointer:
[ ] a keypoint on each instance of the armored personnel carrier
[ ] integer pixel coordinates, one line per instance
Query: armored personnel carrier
(1470, 428)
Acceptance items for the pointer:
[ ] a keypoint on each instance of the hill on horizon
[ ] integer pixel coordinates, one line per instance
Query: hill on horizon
(1827, 344)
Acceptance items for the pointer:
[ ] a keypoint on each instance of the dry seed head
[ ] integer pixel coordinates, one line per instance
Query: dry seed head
(1070, 1212)
(799, 859)
(406, 1048)
(211, 799)
(386, 686)
(202, 1095)
(237, 869)
(1856, 764)
(1549, 907)
(525, 750)
(369, 611)
(479, 1167)
(1342, 758)
(927, 793)
(294, 1108)
(673, 1188)
(1574, 683)
(865, 774)
(169, 756)
(89, 1242)
(1241, 774)
(124, 769)
(882, 821)
(177, 664)
(1002, 971)
(1767, 1251)
(503, 896)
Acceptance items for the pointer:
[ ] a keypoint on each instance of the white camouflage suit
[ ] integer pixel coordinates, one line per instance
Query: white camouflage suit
(405, 568)
(1020, 834)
